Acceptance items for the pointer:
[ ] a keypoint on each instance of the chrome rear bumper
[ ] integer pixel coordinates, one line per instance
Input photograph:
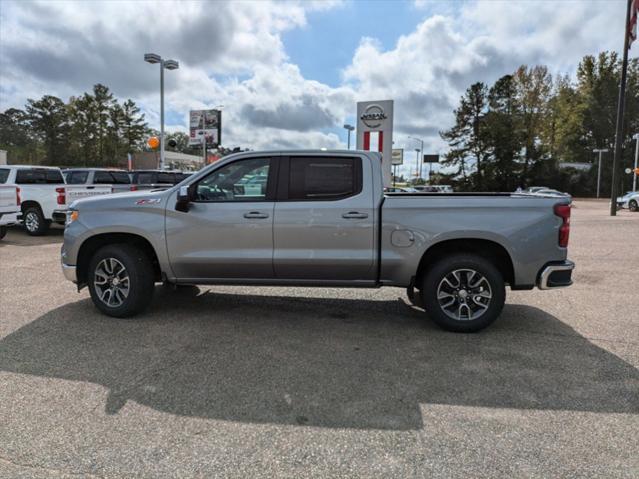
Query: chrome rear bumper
(556, 275)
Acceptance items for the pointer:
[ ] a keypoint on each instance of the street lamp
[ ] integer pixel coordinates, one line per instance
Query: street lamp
(349, 128)
(600, 151)
(169, 65)
(634, 175)
(422, 150)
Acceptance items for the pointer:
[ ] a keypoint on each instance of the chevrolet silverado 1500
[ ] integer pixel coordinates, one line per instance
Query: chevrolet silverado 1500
(318, 218)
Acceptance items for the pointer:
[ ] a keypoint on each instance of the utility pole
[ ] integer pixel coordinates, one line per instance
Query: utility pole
(349, 128)
(618, 154)
(634, 172)
(421, 142)
(600, 151)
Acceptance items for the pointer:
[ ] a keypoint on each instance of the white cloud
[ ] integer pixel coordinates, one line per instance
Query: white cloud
(232, 53)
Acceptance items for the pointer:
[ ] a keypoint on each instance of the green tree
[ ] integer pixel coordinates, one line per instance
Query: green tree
(134, 128)
(467, 138)
(16, 137)
(49, 121)
(533, 87)
(504, 135)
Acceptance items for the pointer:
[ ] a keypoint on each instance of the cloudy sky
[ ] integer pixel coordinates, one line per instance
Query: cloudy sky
(289, 73)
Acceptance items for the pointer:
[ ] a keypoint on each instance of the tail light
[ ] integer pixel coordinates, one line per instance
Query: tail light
(18, 200)
(563, 211)
(134, 187)
(62, 196)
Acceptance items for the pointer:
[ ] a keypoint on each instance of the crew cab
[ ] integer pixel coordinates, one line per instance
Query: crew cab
(156, 179)
(9, 206)
(318, 218)
(44, 195)
(118, 180)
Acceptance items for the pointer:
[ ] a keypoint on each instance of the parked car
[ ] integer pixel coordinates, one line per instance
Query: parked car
(630, 200)
(321, 219)
(118, 180)
(551, 192)
(44, 195)
(398, 189)
(9, 205)
(155, 179)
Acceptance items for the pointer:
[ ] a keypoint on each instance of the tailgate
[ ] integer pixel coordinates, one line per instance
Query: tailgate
(8, 199)
(80, 192)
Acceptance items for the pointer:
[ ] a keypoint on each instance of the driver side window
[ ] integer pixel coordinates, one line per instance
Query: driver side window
(243, 180)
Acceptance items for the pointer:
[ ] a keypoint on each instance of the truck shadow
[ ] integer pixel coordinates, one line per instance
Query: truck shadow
(320, 362)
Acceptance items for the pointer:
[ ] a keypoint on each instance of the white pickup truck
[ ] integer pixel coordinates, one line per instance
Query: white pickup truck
(44, 196)
(9, 207)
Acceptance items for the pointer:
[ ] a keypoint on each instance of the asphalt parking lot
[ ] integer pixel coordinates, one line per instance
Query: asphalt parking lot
(276, 382)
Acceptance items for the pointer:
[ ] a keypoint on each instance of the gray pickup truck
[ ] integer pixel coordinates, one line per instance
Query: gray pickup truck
(318, 218)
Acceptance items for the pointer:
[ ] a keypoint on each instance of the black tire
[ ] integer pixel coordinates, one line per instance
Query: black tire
(3, 231)
(451, 267)
(141, 281)
(633, 205)
(34, 221)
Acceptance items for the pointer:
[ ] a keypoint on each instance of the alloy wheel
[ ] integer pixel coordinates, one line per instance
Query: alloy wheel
(464, 294)
(111, 282)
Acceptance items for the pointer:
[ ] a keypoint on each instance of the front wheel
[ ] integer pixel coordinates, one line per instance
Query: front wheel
(3, 231)
(463, 293)
(633, 205)
(121, 280)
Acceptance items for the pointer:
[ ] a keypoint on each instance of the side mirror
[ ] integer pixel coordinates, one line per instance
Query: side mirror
(183, 199)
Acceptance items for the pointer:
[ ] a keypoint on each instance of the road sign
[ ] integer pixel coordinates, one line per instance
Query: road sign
(431, 158)
(397, 157)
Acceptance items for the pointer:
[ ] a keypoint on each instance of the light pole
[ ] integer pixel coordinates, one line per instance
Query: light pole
(600, 151)
(349, 128)
(169, 65)
(634, 173)
(421, 149)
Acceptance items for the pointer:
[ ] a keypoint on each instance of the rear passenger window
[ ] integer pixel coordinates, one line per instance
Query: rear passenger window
(77, 177)
(323, 178)
(54, 176)
(166, 178)
(145, 178)
(4, 175)
(29, 177)
(120, 177)
(102, 178)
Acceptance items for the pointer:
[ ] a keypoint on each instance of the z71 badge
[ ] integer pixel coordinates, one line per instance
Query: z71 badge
(148, 201)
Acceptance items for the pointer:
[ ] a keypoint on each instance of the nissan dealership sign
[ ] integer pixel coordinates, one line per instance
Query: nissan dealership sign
(375, 131)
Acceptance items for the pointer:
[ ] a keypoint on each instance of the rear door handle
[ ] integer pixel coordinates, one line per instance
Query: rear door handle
(255, 214)
(354, 215)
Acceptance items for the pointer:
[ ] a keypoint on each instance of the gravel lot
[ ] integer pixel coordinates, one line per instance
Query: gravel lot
(275, 382)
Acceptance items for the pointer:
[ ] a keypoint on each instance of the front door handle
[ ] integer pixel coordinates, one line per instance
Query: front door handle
(354, 215)
(255, 214)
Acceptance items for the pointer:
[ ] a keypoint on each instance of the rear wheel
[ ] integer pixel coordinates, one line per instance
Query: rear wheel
(633, 205)
(34, 221)
(3, 231)
(463, 293)
(121, 280)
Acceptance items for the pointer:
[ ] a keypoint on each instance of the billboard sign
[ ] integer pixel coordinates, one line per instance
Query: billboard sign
(207, 124)
(397, 156)
(431, 158)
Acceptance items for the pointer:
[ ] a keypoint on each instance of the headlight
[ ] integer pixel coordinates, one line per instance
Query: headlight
(72, 215)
